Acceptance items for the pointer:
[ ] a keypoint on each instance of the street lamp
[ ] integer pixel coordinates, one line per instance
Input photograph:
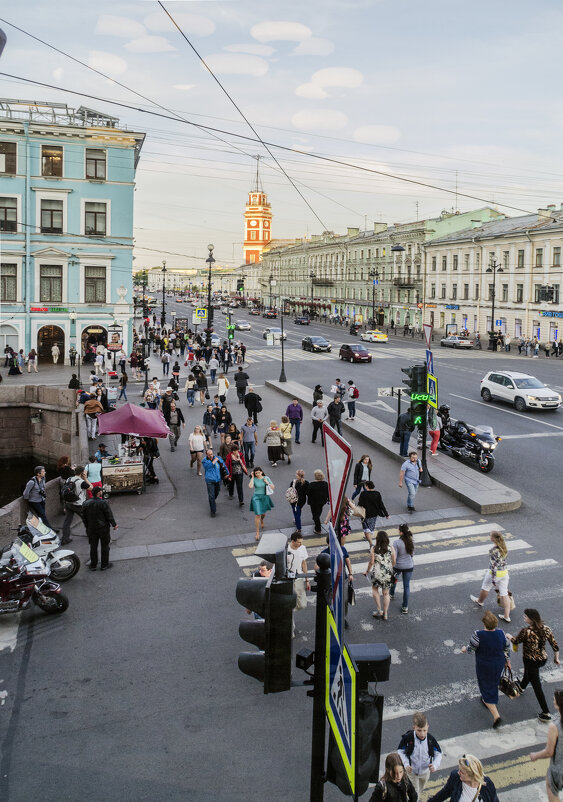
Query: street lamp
(210, 262)
(270, 280)
(163, 313)
(312, 276)
(282, 372)
(374, 276)
(174, 313)
(494, 269)
(73, 316)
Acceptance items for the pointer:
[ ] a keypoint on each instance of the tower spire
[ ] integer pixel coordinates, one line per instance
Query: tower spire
(258, 183)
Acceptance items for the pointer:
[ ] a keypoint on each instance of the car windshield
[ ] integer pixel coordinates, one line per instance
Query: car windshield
(357, 348)
(528, 383)
(319, 340)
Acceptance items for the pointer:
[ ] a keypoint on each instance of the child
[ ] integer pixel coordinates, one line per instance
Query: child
(420, 752)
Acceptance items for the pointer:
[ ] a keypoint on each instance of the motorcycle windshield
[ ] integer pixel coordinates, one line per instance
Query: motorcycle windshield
(484, 431)
(24, 556)
(37, 524)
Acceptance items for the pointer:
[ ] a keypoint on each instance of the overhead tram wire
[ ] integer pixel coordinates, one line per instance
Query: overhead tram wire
(246, 138)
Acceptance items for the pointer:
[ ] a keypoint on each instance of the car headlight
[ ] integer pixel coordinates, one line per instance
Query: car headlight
(532, 397)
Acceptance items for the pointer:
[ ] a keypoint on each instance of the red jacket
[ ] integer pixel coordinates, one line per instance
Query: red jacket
(229, 463)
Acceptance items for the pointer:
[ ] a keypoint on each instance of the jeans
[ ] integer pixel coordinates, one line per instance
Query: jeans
(103, 538)
(38, 508)
(236, 480)
(406, 573)
(249, 451)
(358, 490)
(212, 374)
(532, 676)
(412, 487)
(317, 427)
(122, 394)
(404, 446)
(70, 510)
(296, 515)
(213, 489)
(190, 395)
(297, 424)
(351, 409)
(336, 423)
(165, 368)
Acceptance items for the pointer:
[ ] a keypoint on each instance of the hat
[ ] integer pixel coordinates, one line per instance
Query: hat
(169, 389)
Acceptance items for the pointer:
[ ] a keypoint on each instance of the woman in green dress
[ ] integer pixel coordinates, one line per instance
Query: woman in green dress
(261, 502)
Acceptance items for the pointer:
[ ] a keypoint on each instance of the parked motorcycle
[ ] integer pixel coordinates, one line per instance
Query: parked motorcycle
(25, 580)
(475, 443)
(61, 564)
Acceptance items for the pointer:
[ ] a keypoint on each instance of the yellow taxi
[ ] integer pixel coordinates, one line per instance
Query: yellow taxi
(374, 336)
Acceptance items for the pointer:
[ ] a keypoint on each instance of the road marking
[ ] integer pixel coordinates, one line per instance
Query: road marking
(9, 631)
(508, 411)
(534, 434)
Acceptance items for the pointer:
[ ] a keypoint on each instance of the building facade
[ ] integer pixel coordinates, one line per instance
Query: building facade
(66, 226)
(500, 265)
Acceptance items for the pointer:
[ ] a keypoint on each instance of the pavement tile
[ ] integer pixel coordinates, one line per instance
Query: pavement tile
(175, 547)
(129, 552)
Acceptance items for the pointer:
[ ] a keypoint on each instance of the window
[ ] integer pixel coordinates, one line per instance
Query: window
(433, 263)
(455, 262)
(537, 293)
(95, 164)
(50, 284)
(466, 261)
(51, 216)
(444, 262)
(505, 257)
(95, 219)
(555, 293)
(557, 257)
(466, 292)
(454, 292)
(8, 282)
(443, 291)
(8, 214)
(476, 295)
(505, 292)
(252, 234)
(519, 293)
(377, 253)
(477, 260)
(432, 290)
(51, 161)
(539, 257)
(95, 285)
(8, 159)
(521, 258)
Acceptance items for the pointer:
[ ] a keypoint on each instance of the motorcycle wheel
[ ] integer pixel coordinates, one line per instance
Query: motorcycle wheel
(70, 568)
(488, 466)
(52, 603)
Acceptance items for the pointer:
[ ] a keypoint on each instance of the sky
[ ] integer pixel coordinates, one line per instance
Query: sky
(451, 95)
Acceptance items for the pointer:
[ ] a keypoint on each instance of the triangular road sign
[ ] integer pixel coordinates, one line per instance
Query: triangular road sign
(338, 455)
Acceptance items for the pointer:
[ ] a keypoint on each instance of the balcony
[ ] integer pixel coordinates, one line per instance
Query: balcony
(406, 282)
(323, 282)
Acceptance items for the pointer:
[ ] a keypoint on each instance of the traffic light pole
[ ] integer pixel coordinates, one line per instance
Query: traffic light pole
(318, 770)
(425, 479)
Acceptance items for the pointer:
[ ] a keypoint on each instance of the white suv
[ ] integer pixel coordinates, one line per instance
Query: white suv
(520, 389)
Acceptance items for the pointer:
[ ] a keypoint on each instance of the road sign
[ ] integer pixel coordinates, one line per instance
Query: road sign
(337, 576)
(200, 313)
(427, 328)
(338, 454)
(432, 390)
(429, 361)
(340, 698)
(498, 322)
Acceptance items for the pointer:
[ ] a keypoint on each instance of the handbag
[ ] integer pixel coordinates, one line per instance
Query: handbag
(357, 511)
(351, 594)
(510, 596)
(269, 490)
(207, 395)
(508, 684)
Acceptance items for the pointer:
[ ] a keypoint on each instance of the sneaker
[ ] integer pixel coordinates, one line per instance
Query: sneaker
(404, 610)
(545, 717)
(241, 503)
(106, 567)
(476, 600)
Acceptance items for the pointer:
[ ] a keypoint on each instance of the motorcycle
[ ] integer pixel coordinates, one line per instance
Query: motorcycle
(61, 564)
(475, 443)
(25, 580)
(354, 328)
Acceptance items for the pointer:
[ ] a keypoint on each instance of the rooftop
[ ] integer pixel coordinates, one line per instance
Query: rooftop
(57, 113)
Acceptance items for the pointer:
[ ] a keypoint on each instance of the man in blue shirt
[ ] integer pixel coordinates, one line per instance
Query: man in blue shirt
(212, 472)
(295, 414)
(411, 470)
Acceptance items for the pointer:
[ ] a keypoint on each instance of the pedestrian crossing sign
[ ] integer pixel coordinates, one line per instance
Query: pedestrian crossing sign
(201, 313)
(340, 698)
(432, 390)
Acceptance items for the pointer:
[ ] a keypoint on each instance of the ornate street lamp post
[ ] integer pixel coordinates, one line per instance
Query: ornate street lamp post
(210, 262)
(163, 313)
(374, 276)
(494, 269)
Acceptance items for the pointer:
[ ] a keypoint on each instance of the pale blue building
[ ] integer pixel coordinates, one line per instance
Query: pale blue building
(67, 182)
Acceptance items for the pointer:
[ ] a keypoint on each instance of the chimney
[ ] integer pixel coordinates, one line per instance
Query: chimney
(379, 227)
(353, 232)
(544, 212)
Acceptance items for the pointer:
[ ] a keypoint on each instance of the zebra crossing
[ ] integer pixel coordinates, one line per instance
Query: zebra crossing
(450, 560)
(382, 351)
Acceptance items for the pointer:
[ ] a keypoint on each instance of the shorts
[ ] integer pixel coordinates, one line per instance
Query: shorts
(501, 584)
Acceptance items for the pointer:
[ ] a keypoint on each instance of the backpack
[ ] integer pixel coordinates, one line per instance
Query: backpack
(291, 494)
(69, 492)
(355, 392)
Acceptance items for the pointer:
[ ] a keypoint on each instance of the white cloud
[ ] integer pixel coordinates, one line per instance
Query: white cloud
(58, 74)
(110, 25)
(280, 31)
(311, 92)
(377, 134)
(314, 47)
(190, 23)
(107, 62)
(184, 87)
(338, 76)
(237, 64)
(319, 120)
(255, 50)
(149, 44)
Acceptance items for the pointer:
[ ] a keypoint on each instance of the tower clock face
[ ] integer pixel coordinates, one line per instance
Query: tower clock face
(266, 224)
(254, 222)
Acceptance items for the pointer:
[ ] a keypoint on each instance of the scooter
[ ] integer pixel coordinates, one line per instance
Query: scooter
(25, 580)
(61, 564)
(476, 443)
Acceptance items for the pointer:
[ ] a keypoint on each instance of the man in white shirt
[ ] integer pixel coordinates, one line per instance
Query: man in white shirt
(297, 569)
(99, 363)
(318, 415)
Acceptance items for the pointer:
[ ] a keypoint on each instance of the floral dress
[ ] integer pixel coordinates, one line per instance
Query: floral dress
(381, 574)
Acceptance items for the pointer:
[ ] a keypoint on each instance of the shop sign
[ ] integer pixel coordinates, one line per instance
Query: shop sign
(452, 306)
(551, 314)
(48, 309)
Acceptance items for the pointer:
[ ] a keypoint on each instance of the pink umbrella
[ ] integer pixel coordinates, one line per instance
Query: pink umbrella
(132, 419)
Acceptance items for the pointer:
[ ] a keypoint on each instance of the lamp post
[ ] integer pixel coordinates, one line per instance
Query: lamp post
(210, 262)
(374, 276)
(312, 276)
(494, 269)
(282, 372)
(395, 250)
(270, 280)
(174, 313)
(78, 350)
(163, 312)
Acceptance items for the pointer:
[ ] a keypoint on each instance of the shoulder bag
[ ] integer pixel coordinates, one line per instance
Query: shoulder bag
(508, 684)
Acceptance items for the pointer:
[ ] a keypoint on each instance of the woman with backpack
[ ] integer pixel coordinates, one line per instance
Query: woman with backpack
(296, 494)
(352, 394)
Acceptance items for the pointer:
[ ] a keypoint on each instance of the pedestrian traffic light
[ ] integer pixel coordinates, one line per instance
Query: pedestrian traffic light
(231, 331)
(416, 387)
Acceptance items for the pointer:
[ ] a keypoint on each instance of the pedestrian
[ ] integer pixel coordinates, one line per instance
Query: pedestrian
(342, 530)
(405, 428)
(176, 372)
(395, 785)
(380, 572)
(338, 388)
(533, 638)
(285, 429)
(99, 362)
(491, 647)
(241, 383)
(93, 474)
(249, 440)
(79, 485)
(236, 467)
(352, 393)
(263, 488)
(92, 408)
(55, 353)
(362, 472)
(225, 447)
(234, 433)
(317, 496)
(224, 420)
(35, 494)
(296, 494)
(198, 441)
(294, 413)
(317, 394)
(496, 576)
(335, 410)
(467, 782)
(411, 471)
(404, 564)
(190, 388)
(32, 361)
(252, 402)
(213, 367)
(201, 382)
(554, 777)
(420, 752)
(165, 360)
(98, 517)
(318, 416)
(297, 570)
(273, 440)
(174, 417)
(210, 421)
(212, 466)
(370, 499)
(123, 386)
(434, 427)
(222, 387)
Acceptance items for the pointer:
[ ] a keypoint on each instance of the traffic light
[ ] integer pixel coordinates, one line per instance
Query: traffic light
(240, 285)
(416, 387)
(231, 331)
